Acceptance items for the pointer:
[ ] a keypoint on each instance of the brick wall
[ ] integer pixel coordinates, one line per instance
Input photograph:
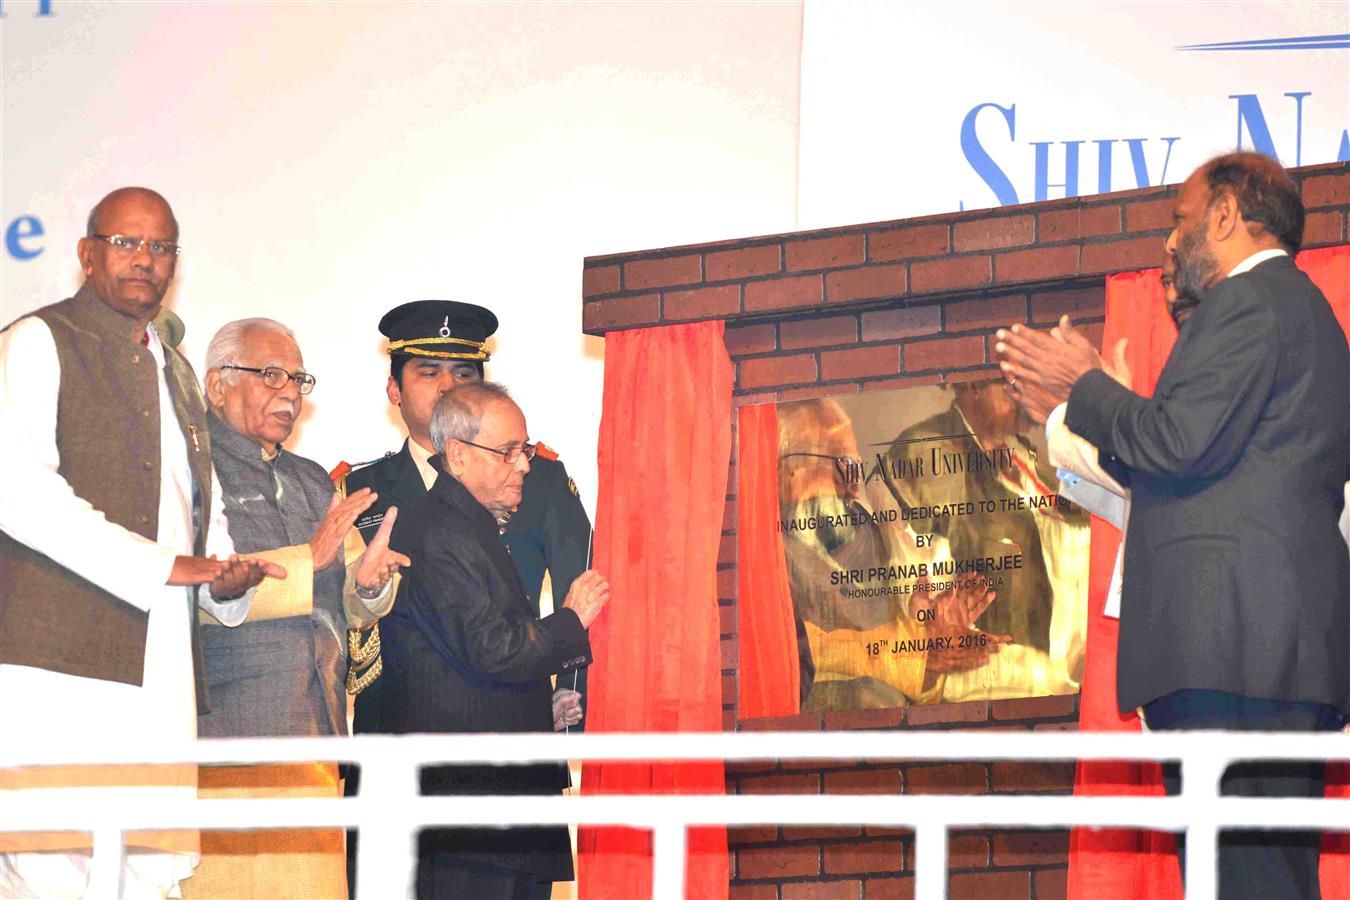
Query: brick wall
(876, 307)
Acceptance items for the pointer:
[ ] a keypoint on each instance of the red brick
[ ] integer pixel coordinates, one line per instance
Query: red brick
(908, 243)
(1150, 215)
(728, 720)
(1036, 264)
(825, 253)
(870, 283)
(818, 833)
(743, 339)
(893, 324)
(865, 781)
(1048, 306)
(887, 831)
(781, 784)
(1056, 726)
(986, 312)
(1052, 884)
(784, 293)
(746, 262)
(862, 857)
(990, 886)
(775, 370)
(823, 890)
(1032, 777)
(860, 362)
(1078, 222)
(1035, 707)
(1093, 332)
(751, 834)
(1327, 190)
(949, 274)
(1122, 256)
(900, 384)
(778, 862)
(991, 234)
(729, 690)
(726, 619)
(1031, 848)
(729, 654)
(735, 768)
(819, 332)
(663, 272)
(967, 851)
(753, 892)
(620, 313)
(752, 398)
(856, 719)
(889, 888)
(790, 765)
(726, 583)
(600, 280)
(948, 778)
(1323, 228)
(703, 303)
(801, 722)
(812, 393)
(946, 353)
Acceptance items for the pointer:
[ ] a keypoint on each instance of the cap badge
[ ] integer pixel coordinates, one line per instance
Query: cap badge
(445, 327)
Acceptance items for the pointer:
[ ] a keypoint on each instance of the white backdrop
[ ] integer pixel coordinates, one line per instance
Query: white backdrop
(328, 161)
(886, 88)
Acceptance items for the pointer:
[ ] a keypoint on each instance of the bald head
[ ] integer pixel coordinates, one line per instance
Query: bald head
(110, 202)
(120, 264)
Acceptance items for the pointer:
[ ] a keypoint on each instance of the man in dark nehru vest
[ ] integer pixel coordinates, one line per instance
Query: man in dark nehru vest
(109, 522)
(435, 346)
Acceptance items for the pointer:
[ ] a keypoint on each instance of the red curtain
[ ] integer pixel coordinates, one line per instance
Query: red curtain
(770, 677)
(1112, 863)
(665, 445)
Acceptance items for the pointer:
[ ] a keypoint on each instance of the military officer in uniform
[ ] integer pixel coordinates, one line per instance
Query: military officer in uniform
(434, 346)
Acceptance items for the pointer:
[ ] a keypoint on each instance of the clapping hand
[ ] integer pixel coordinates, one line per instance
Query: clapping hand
(228, 578)
(379, 563)
(337, 521)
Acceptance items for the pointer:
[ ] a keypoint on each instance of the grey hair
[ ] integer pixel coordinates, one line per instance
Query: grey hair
(459, 414)
(228, 344)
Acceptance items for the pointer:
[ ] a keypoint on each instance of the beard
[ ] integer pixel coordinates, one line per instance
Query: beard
(1197, 268)
(1181, 309)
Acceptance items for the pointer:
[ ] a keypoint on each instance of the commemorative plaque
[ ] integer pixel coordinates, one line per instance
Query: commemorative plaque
(927, 555)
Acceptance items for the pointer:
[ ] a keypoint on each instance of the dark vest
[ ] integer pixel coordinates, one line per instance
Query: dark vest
(107, 437)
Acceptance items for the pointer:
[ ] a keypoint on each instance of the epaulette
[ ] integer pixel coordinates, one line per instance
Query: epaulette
(344, 468)
(544, 450)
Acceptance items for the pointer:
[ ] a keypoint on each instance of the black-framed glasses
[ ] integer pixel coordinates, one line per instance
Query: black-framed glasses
(508, 455)
(276, 377)
(127, 245)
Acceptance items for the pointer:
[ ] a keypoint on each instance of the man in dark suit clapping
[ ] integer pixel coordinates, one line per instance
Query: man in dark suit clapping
(1235, 610)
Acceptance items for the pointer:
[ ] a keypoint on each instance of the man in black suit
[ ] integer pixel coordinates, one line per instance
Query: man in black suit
(435, 346)
(466, 650)
(1235, 610)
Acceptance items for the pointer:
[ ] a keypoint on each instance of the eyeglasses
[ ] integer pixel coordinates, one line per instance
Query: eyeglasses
(128, 245)
(510, 454)
(276, 377)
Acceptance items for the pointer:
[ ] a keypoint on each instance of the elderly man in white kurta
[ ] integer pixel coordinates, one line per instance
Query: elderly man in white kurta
(111, 528)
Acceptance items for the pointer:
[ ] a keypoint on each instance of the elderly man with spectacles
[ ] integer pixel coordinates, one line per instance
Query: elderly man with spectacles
(281, 672)
(466, 651)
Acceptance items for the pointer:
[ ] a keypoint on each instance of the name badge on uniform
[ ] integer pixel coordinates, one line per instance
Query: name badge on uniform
(369, 521)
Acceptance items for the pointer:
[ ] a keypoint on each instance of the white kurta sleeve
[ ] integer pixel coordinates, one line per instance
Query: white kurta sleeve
(38, 507)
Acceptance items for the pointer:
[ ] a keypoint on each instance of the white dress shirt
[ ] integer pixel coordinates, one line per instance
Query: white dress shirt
(38, 508)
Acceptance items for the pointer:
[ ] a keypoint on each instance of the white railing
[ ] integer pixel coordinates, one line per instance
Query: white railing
(391, 811)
